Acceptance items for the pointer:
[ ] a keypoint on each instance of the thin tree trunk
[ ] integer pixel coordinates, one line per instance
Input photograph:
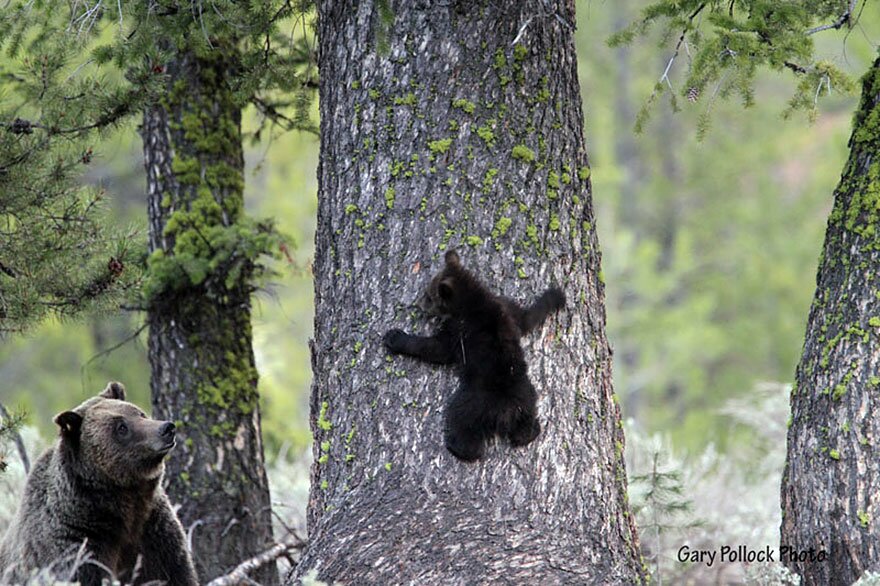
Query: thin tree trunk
(457, 125)
(831, 484)
(202, 361)
(626, 151)
(629, 160)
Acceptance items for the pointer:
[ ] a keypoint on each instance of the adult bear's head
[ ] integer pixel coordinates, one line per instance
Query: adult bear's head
(108, 441)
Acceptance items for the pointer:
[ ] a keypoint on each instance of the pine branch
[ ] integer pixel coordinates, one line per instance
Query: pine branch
(693, 15)
(21, 126)
(795, 67)
(844, 19)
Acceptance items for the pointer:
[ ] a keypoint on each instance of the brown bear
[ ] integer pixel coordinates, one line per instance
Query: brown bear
(94, 507)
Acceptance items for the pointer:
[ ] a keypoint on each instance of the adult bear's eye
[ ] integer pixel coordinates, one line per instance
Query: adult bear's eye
(121, 429)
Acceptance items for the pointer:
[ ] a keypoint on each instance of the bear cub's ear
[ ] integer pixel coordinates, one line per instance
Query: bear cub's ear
(114, 390)
(70, 423)
(446, 289)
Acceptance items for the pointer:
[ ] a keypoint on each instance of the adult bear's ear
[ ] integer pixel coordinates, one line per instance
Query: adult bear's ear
(114, 390)
(452, 258)
(446, 289)
(70, 424)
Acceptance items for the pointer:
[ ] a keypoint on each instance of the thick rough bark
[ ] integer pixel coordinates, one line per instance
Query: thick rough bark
(203, 373)
(831, 484)
(457, 125)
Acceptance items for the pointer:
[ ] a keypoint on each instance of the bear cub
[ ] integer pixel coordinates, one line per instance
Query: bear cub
(100, 485)
(480, 333)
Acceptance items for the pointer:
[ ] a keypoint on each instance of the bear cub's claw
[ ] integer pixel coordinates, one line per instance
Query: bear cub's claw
(393, 340)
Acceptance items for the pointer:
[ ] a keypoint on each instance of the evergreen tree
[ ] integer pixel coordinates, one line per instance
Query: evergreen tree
(58, 255)
(661, 508)
(193, 69)
(831, 482)
(457, 126)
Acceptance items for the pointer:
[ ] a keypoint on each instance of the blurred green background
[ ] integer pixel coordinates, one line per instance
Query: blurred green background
(710, 248)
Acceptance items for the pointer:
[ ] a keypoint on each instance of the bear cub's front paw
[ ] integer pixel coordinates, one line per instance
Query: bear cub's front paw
(556, 298)
(394, 340)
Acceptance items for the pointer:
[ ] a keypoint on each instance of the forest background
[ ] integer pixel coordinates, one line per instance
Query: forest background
(710, 250)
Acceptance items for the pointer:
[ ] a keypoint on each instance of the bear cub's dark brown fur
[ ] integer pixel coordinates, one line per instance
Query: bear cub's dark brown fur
(480, 333)
(100, 485)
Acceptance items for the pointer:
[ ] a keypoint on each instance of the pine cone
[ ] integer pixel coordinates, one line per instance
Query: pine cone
(115, 267)
(20, 126)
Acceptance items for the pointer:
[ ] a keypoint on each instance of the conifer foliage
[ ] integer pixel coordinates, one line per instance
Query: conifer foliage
(76, 71)
(722, 44)
(58, 255)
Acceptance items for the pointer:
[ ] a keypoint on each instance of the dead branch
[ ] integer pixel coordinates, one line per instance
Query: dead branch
(239, 575)
(845, 19)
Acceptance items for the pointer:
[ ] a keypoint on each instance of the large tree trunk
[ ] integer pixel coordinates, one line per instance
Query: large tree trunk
(457, 125)
(831, 484)
(202, 361)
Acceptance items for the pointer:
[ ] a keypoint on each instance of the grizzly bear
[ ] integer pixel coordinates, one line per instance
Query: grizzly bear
(93, 506)
(480, 332)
